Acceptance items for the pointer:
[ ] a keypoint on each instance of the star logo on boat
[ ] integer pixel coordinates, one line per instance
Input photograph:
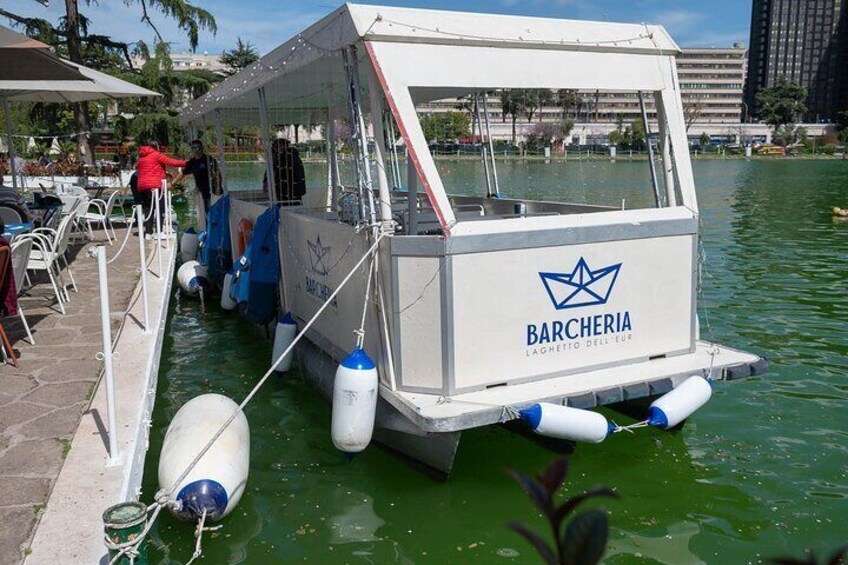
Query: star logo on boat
(582, 287)
(317, 255)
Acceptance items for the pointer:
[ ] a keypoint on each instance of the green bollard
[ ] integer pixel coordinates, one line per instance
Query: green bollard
(124, 522)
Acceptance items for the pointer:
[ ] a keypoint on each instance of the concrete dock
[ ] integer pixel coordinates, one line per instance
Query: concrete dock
(54, 477)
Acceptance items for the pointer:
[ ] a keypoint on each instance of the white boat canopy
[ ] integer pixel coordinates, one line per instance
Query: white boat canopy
(426, 55)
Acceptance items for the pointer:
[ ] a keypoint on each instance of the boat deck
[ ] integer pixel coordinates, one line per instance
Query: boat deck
(434, 413)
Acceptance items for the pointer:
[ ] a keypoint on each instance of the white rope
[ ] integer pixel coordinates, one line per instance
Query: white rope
(130, 224)
(616, 428)
(360, 333)
(273, 368)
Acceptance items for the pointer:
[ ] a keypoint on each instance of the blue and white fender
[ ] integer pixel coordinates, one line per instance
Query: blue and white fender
(564, 422)
(355, 392)
(284, 335)
(675, 406)
(218, 480)
(188, 245)
(227, 302)
(192, 277)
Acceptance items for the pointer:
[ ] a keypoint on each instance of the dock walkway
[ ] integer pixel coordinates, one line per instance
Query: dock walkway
(43, 400)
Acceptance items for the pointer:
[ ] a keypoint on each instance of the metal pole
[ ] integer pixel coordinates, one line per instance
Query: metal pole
(158, 230)
(266, 146)
(142, 255)
(412, 196)
(108, 377)
(380, 152)
(10, 142)
(333, 163)
(491, 145)
(665, 141)
(363, 166)
(654, 182)
(219, 139)
(483, 150)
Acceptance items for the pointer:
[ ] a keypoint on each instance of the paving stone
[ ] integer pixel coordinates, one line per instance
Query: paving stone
(55, 336)
(59, 423)
(61, 394)
(70, 370)
(40, 458)
(15, 385)
(17, 413)
(15, 528)
(20, 490)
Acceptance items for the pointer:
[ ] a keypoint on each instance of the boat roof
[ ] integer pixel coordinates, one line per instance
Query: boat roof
(308, 67)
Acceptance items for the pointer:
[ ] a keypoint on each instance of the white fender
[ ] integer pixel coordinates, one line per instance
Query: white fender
(284, 335)
(218, 480)
(564, 422)
(227, 302)
(675, 406)
(192, 277)
(354, 402)
(188, 245)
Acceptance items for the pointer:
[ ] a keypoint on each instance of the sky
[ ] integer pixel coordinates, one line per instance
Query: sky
(268, 23)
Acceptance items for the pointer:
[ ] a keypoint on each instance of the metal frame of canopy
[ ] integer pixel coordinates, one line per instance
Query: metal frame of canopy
(456, 54)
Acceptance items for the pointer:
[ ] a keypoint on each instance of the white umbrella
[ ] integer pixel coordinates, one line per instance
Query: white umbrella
(55, 148)
(31, 145)
(20, 82)
(3, 148)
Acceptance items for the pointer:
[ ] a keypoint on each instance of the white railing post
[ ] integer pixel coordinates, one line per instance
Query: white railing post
(105, 323)
(158, 230)
(139, 214)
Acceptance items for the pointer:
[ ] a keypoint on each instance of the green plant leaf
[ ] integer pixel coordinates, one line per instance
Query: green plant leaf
(569, 505)
(553, 476)
(536, 540)
(535, 491)
(585, 539)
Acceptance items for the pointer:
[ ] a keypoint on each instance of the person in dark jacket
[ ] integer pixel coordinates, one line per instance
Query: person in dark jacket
(204, 168)
(289, 175)
(151, 169)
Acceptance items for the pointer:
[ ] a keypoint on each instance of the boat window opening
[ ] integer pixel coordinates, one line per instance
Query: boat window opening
(496, 168)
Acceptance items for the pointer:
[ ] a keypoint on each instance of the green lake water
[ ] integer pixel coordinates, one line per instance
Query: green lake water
(760, 471)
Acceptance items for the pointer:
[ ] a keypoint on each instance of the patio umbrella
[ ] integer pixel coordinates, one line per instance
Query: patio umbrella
(31, 145)
(55, 148)
(57, 80)
(24, 58)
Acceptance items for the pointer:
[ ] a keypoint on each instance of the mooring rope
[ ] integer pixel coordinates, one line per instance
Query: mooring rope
(163, 496)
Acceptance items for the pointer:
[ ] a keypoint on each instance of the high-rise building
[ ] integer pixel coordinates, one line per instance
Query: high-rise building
(804, 41)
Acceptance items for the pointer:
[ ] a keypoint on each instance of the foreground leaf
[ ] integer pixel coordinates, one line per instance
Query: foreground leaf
(536, 492)
(538, 542)
(585, 539)
(569, 505)
(552, 477)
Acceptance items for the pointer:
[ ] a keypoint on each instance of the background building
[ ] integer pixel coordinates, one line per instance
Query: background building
(803, 40)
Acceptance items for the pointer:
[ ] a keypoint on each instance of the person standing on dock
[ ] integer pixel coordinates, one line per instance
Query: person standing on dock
(152, 171)
(205, 170)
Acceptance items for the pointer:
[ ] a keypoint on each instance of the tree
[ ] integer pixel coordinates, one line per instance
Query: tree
(446, 126)
(782, 104)
(241, 57)
(705, 139)
(691, 112)
(511, 105)
(547, 134)
(566, 99)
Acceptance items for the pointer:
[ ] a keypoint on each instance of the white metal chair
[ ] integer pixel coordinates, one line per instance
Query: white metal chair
(21, 251)
(102, 216)
(48, 254)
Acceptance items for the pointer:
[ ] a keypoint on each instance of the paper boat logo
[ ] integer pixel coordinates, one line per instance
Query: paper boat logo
(318, 256)
(581, 287)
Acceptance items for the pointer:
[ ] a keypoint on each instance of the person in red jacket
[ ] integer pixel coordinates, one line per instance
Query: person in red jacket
(151, 172)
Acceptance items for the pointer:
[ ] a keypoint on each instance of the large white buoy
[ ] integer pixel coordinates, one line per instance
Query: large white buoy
(227, 302)
(675, 406)
(217, 482)
(564, 422)
(283, 337)
(354, 402)
(188, 245)
(192, 277)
